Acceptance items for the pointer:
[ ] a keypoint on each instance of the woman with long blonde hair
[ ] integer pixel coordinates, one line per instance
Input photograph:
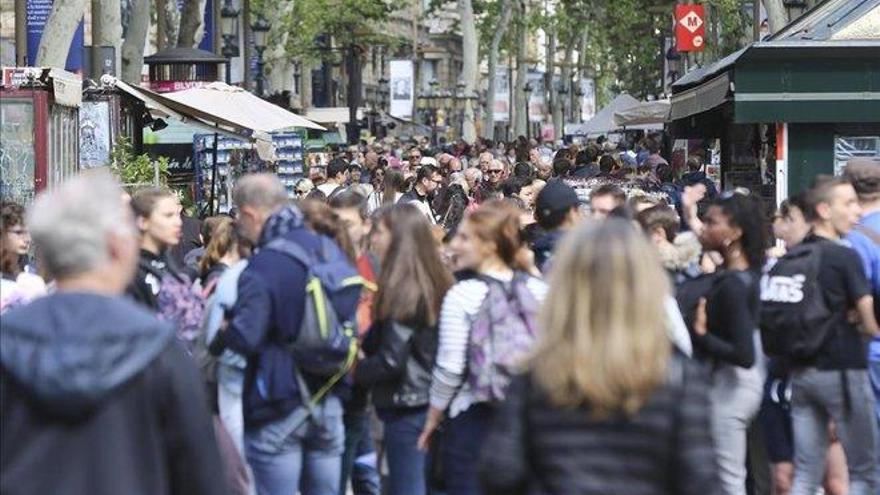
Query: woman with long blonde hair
(605, 405)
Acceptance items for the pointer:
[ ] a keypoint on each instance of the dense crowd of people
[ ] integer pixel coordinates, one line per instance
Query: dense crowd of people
(485, 319)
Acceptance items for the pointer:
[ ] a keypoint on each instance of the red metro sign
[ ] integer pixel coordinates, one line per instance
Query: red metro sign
(690, 29)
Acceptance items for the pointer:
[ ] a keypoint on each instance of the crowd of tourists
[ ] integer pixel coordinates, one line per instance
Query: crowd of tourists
(465, 320)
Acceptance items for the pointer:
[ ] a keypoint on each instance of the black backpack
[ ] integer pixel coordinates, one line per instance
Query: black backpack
(795, 319)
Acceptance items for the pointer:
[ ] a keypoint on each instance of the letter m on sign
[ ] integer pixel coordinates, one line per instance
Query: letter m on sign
(690, 28)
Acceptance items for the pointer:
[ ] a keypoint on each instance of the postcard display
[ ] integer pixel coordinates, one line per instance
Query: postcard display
(240, 157)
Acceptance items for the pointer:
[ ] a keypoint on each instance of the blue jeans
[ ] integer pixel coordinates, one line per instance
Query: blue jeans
(299, 453)
(874, 371)
(406, 463)
(359, 460)
(464, 441)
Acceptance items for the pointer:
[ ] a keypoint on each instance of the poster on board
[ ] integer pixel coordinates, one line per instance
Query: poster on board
(94, 134)
(588, 99)
(501, 111)
(401, 88)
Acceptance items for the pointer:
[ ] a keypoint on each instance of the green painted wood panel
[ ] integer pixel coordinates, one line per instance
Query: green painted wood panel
(848, 111)
(813, 75)
(810, 153)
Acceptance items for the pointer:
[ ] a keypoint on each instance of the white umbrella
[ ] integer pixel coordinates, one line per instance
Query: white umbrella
(241, 107)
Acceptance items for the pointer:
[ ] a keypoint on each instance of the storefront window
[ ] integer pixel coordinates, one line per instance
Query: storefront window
(17, 153)
(849, 147)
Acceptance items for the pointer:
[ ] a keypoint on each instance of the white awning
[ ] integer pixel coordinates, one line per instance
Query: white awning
(161, 107)
(331, 115)
(646, 113)
(234, 104)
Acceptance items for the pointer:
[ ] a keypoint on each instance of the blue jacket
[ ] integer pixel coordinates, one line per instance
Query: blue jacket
(267, 314)
(869, 251)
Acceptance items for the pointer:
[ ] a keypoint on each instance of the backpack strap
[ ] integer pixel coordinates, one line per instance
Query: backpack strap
(292, 250)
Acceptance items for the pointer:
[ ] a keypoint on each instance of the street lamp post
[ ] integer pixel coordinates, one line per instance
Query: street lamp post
(229, 31)
(433, 98)
(579, 93)
(382, 92)
(527, 89)
(260, 28)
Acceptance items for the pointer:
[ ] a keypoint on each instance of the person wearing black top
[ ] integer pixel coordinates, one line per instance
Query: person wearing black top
(726, 330)
(834, 383)
(157, 213)
(585, 164)
(583, 419)
(428, 180)
(401, 344)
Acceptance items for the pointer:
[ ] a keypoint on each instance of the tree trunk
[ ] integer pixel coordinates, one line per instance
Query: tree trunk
(583, 71)
(58, 33)
(133, 46)
(167, 24)
(190, 21)
(305, 91)
(777, 16)
(555, 97)
(520, 127)
(497, 37)
(107, 29)
(566, 79)
(469, 68)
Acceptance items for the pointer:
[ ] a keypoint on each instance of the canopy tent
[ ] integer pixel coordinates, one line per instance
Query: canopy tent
(603, 121)
(646, 113)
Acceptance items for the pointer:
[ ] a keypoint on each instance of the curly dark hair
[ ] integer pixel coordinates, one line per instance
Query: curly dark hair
(746, 211)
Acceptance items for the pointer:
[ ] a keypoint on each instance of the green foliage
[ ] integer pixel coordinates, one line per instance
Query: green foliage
(136, 170)
(728, 27)
(297, 24)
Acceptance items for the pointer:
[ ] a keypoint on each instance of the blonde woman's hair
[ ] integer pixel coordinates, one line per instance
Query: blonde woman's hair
(603, 342)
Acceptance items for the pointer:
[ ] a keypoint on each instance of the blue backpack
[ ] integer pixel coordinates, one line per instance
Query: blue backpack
(326, 345)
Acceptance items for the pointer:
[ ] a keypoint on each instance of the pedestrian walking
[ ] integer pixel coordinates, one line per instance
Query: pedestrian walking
(18, 286)
(291, 442)
(401, 344)
(487, 326)
(114, 404)
(725, 332)
(865, 239)
(359, 463)
(428, 181)
(157, 214)
(791, 227)
(221, 253)
(834, 383)
(582, 418)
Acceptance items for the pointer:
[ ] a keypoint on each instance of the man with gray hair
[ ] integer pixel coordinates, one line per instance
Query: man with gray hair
(286, 451)
(98, 396)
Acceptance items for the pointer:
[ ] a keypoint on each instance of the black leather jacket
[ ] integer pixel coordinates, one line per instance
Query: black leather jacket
(398, 365)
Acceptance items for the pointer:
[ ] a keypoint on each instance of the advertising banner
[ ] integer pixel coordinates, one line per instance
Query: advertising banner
(588, 100)
(402, 89)
(37, 12)
(502, 95)
(537, 102)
